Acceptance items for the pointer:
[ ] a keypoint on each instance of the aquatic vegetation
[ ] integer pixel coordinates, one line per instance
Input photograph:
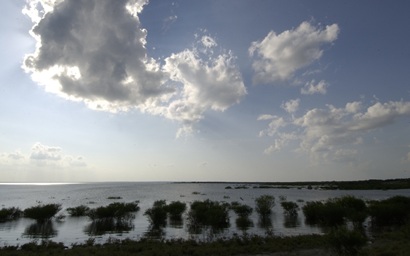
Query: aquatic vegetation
(290, 208)
(8, 214)
(241, 210)
(176, 209)
(391, 211)
(78, 211)
(335, 211)
(42, 212)
(355, 209)
(157, 215)
(209, 213)
(264, 205)
(328, 214)
(113, 210)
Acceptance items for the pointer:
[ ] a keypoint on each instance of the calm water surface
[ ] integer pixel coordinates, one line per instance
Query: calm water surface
(77, 230)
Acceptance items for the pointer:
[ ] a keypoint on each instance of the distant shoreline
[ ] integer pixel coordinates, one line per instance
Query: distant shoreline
(371, 184)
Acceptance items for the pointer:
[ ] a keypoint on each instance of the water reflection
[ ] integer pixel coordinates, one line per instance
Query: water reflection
(108, 225)
(155, 232)
(291, 221)
(265, 222)
(243, 223)
(43, 230)
(176, 222)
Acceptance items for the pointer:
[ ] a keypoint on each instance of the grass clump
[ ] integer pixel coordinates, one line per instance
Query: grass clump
(78, 211)
(209, 213)
(176, 209)
(157, 214)
(42, 212)
(264, 205)
(9, 214)
(290, 208)
(113, 210)
(391, 211)
(336, 211)
(242, 210)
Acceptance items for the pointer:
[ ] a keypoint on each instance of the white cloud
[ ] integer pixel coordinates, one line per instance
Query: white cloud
(13, 157)
(313, 88)
(211, 82)
(265, 117)
(42, 156)
(45, 153)
(95, 51)
(277, 57)
(274, 126)
(291, 106)
(333, 133)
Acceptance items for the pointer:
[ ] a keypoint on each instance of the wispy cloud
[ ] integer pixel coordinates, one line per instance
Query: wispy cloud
(42, 155)
(314, 88)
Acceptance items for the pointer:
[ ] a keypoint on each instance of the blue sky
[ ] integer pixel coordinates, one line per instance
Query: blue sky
(232, 90)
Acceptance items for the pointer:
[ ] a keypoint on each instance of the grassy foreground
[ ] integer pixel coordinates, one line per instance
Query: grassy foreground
(244, 245)
(394, 242)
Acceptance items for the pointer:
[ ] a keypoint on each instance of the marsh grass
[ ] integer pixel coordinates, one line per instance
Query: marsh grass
(113, 210)
(264, 205)
(9, 214)
(290, 208)
(208, 213)
(346, 242)
(175, 210)
(42, 212)
(78, 211)
(335, 211)
(157, 214)
(391, 211)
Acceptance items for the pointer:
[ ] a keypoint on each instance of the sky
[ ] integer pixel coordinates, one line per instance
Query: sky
(204, 90)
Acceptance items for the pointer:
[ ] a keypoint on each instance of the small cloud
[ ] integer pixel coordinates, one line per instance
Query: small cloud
(314, 88)
(45, 153)
(265, 117)
(42, 155)
(291, 106)
(208, 42)
(169, 21)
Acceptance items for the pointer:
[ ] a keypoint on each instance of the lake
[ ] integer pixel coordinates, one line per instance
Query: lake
(78, 229)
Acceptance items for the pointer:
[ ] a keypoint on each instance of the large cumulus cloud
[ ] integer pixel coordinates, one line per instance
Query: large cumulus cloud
(95, 51)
